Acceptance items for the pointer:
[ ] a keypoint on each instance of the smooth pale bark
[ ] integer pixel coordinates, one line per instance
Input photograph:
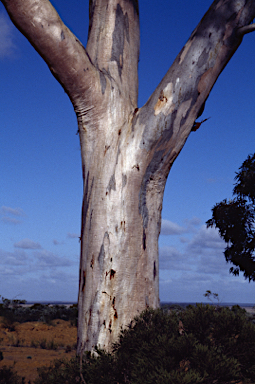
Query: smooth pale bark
(126, 152)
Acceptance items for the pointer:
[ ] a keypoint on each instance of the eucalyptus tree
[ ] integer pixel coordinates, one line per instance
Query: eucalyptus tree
(235, 220)
(127, 152)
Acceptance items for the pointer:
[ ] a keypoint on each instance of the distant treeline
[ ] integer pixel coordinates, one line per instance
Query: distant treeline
(17, 311)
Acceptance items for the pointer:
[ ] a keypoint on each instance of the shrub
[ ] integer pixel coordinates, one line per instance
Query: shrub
(43, 344)
(52, 345)
(68, 349)
(202, 344)
(9, 376)
(228, 332)
(34, 344)
(60, 372)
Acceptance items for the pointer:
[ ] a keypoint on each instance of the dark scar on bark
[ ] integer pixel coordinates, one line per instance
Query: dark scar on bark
(112, 184)
(86, 198)
(144, 240)
(112, 273)
(103, 82)
(121, 31)
(84, 280)
(154, 270)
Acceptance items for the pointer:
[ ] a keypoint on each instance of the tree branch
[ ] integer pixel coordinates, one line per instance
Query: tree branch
(114, 42)
(246, 29)
(61, 50)
(175, 104)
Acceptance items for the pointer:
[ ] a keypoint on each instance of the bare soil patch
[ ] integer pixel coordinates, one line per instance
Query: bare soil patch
(31, 345)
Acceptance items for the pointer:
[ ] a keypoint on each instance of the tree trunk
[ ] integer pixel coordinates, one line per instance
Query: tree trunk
(119, 241)
(126, 152)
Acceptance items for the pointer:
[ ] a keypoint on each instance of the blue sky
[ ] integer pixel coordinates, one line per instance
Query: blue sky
(40, 170)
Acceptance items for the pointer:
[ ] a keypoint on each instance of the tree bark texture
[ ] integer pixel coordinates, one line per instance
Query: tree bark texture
(126, 152)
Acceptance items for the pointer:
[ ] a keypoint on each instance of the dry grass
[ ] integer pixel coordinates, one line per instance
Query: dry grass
(35, 344)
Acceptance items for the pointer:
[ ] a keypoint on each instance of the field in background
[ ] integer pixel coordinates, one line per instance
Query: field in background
(30, 345)
(34, 335)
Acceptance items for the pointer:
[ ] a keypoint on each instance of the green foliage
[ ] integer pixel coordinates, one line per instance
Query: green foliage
(60, 372)
(201, 344)
(228, 336)
(235, 220)
(244, 186)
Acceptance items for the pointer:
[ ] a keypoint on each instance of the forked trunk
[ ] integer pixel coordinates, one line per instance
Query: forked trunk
(126, 152)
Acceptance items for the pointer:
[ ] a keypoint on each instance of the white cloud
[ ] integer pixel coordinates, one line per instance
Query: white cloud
(7, 45)
(16, 258)
(73, 235)
(27, 244)
(42, 275)
(197, 266)
(8, 211)
(12, 211)
(47, 286)
(202, 253)
(203, 248)
(207, 238)
(10, 220)
(172, 259)
(212, 180)
(7, 271)
(50, 259)
(184, 240)
(170, 228)
(56, 242)
(194, 222)
(191, 287)
(187, 270)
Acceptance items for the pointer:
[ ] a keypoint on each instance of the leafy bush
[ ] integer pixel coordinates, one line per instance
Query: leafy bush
(201, 344)
(60, 372)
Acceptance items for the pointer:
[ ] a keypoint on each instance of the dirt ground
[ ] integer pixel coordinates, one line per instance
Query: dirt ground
(34, 344)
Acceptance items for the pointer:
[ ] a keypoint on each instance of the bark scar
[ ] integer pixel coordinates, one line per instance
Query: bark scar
(144, 240)
(115, 310)
(136, 166)
(164, 103)
(84, 280)
(205, 81)
(154, 270)
(162, 100)
(111, 272)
